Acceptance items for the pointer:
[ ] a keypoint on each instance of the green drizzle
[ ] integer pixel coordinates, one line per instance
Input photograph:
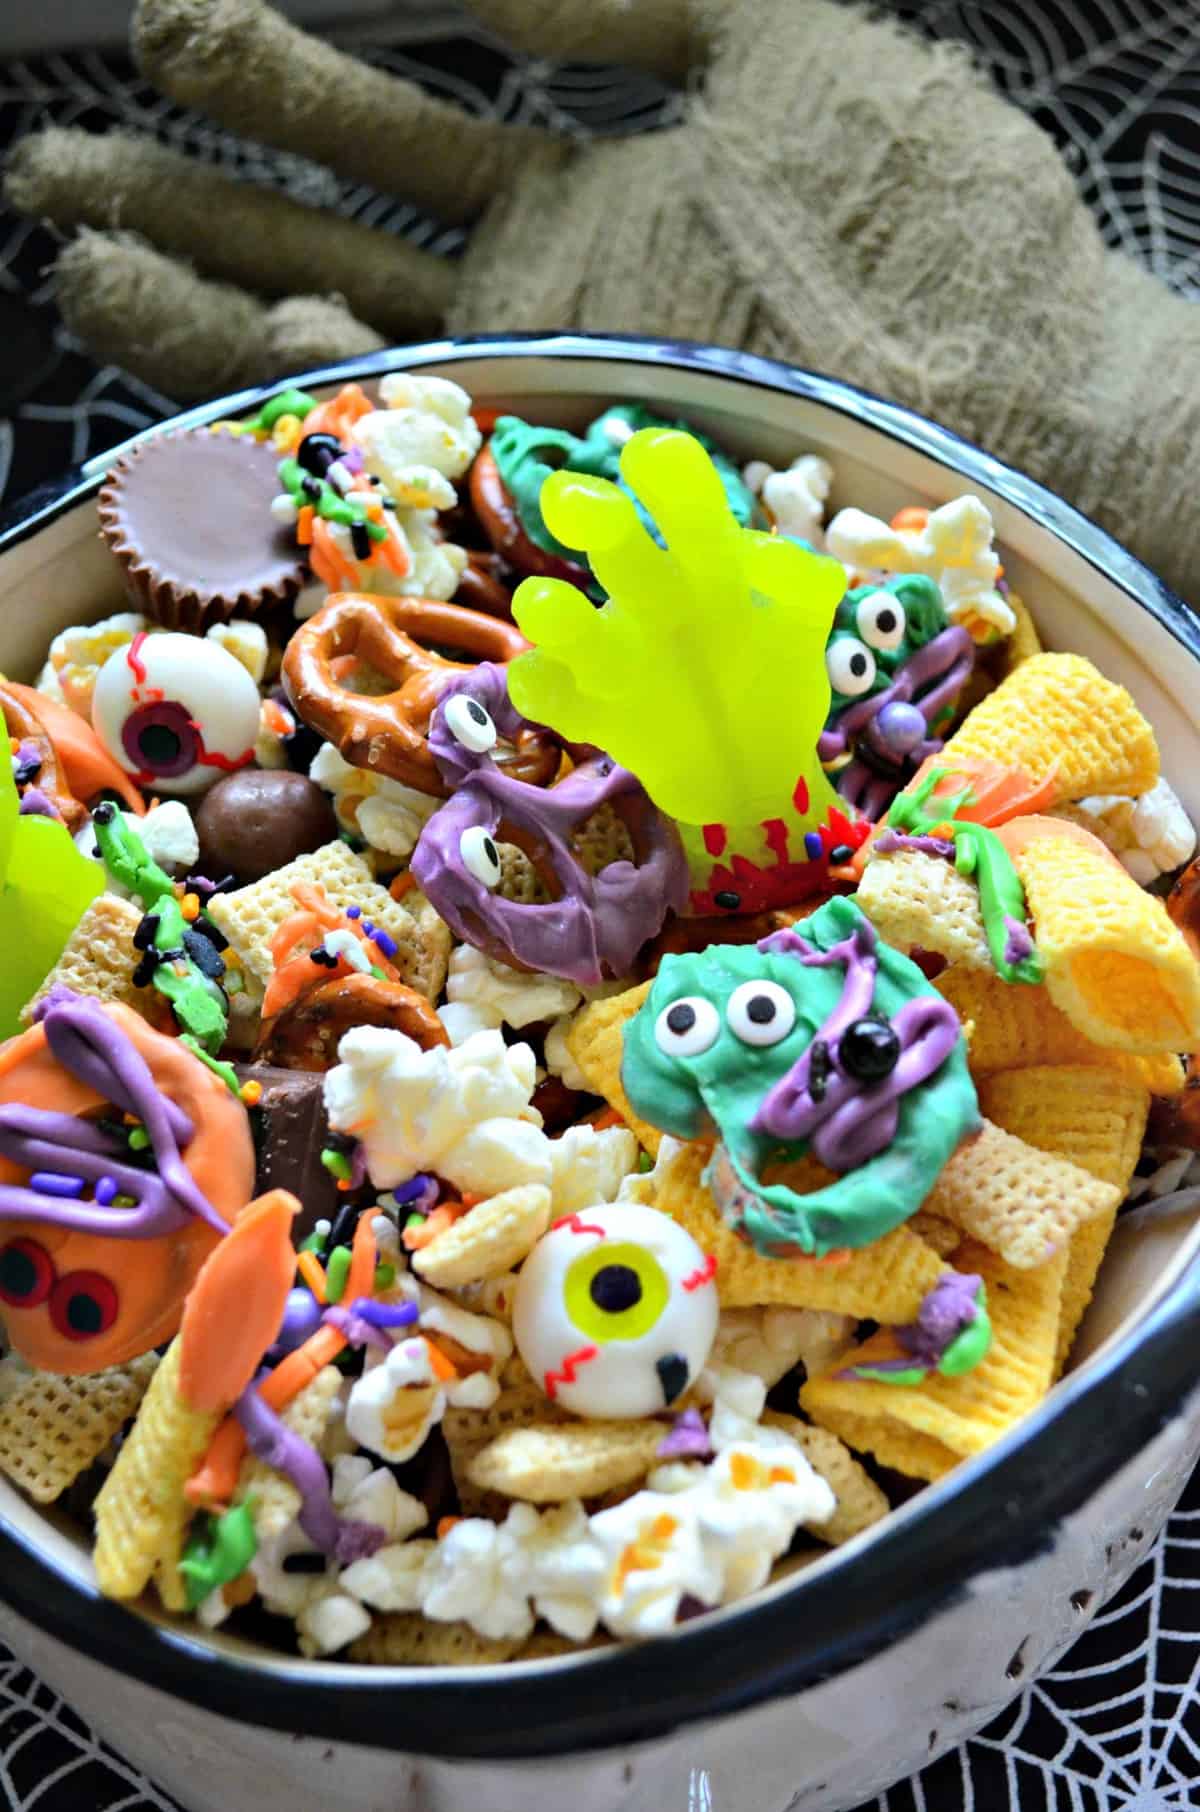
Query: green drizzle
(979, 854)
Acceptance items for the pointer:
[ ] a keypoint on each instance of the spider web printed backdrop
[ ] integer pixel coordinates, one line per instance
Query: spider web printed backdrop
(1116, 1727)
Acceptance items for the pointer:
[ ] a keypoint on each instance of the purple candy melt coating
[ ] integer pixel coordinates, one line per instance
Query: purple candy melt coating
(272, 1441)
(901, 726)
(1017, 942)
(889, 840)
(94, 1049)
(357, 1331)
(34, 804)
(852, 1121)
(598, 924)
(687, 1440)
(949, 1307)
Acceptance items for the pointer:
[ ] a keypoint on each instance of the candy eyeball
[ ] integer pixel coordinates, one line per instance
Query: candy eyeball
(615, 1311)
(480, 857)
(851, 666)
(688, 1027)
(176, 711)
(881, 620)
(760, 1012)
(469, 723)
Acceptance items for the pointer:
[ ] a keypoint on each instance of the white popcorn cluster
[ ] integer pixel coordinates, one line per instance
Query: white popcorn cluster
(795, 497)
(954, 549)
(465, 1114)
(77, 654)
(711, 1533)
(1150, 835)
(388, 815)
(483, 994)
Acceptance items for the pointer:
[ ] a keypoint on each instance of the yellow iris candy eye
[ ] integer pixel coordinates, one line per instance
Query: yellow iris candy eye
(616, 1292)
(615, 1311)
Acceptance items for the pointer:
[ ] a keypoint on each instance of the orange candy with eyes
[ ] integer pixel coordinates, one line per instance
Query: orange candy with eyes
(78, 1302)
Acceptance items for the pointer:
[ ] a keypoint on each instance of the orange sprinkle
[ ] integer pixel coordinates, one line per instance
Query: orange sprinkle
(485, 419)
(402, 883)
(910, 521)
(470, 1200)
(189, 906)
(415, 1239)
(443, 1369)
(304, 526)
(445, 1524)
(278, 721)
(251, 1093)
(743, 1472)
(781, 1475)
(310, 1269)
(603, 1118)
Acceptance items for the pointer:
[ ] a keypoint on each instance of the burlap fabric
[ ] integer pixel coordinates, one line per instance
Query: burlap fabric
(840, 194)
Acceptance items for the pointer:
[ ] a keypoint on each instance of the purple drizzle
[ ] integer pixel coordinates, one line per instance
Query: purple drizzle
(687, 1440)
(890, 840)
(1017, 942)
(272, 1441)
(847, 1121)
(94, 1049)
(946, 1309)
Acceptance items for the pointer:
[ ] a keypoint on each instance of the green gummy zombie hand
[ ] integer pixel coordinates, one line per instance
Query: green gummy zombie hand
(704, 673)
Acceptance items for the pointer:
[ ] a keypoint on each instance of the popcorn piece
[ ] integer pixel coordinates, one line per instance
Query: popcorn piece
(246, 642)
(489, 1241)
(430, 567)
(77, 655)
(396, 1402)
(953, 548)
(462, 1113)
(388, 815)
(768, 1341)
(329, 1622)
(590, 1165)
(484, 994)
(1151, 835)
(860, 1503)
(427, 421)
(1057, 715)
(753, 1498)
(796, 497)
(655, 1557)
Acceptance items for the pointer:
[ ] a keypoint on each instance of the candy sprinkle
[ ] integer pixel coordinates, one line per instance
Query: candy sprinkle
(337, 1269)
(50, 1182)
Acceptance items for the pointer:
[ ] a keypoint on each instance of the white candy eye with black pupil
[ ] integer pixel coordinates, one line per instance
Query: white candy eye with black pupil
(687, 1027)
(851, 666)
(760, 1012)
(469, 723)
(480, 856)
(881, 620)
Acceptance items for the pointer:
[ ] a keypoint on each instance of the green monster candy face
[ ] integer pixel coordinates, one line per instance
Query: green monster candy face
(526, 454)
(821, 1040)
(876, 629)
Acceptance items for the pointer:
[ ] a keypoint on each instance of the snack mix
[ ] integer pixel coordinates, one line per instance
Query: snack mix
(578, 1023)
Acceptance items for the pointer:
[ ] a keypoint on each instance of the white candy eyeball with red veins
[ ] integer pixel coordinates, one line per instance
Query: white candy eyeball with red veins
(615, 1311)
(176, 711)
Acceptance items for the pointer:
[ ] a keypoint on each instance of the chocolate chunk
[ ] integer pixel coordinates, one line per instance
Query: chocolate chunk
(290, 1131)
(188, 516)
(260, 819)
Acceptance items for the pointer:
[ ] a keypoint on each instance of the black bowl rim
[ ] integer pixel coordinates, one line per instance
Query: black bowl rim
(918, 1564)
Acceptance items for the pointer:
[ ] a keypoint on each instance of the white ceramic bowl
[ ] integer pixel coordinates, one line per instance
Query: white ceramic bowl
(867, 1663)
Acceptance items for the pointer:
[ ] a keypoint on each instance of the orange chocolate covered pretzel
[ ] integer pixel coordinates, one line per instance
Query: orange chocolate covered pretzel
(26, 729)
(387, 733)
